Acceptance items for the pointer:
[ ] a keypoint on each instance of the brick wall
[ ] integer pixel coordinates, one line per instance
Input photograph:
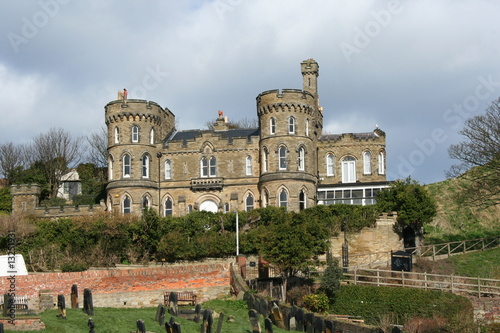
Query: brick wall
(135, 287)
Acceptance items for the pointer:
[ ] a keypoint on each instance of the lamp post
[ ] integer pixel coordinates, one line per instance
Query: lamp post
(345, 248)
(237, 235)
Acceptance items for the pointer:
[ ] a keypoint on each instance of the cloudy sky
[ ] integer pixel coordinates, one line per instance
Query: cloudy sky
(417, 69)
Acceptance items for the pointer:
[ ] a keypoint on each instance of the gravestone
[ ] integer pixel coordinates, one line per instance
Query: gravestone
(277, 316)
(197, 313)
(173, 304)
(157, 315)
(330, 326)
(208, 321)
(319, 325)
(7, 304)
(220, 322)
(1, 328)
(61, 306)
(299, 320)
(161, 318)
(176, 327)
(168, 327)
(254, 321)
(141, 327)
(74, 296)
(396, 329)
(263, 307)
(90, 325)
(309, 322)
(88, 305)
(268, 325)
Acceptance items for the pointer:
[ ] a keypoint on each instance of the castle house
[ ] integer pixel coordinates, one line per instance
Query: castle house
(286, 161)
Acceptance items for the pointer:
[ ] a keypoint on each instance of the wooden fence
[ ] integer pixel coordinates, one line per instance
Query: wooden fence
(456, 284)
(431, 252)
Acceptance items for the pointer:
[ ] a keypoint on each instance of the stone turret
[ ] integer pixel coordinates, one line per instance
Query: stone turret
(25, 198)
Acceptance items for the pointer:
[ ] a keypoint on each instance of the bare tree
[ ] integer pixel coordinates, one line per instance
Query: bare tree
(479, 155)
(244, 123)
(57, 151)
(98, 147)
(12, 158)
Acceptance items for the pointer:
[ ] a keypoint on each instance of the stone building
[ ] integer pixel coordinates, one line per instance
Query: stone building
(286, 161)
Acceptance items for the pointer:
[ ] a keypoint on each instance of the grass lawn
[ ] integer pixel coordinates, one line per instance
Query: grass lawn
(112, 320)
(483, 264)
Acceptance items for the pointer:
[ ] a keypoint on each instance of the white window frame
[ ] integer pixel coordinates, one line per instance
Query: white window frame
(348, 169)
(212, 167)
(282, 158)
(265, 159)
(381, 163)
(152, 136)
(367, 163)
(249, 202)
(117, 135)
(272, 125)
(110, 168)
(283, 198)
(291, 125)
(330, 165)
(127, 168)
(204, 167)
(302, 159)
(168, 169)
(135, 133)
(248, 165)
(307, 127)
(145, 166)
(168, 209)
(302, 200)
(126, 209)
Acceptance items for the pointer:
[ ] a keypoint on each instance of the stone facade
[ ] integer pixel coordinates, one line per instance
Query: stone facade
(286, 161)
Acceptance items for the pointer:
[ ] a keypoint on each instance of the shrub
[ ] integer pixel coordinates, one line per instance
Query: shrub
(68, 267)
(330, 280)
(316, 302)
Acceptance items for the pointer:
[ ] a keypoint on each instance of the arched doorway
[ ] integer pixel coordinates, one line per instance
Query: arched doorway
(209, 206)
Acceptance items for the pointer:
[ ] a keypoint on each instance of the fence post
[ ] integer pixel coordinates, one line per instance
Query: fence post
(465, 247)
(403, 278)
(425, 280)
(449, 250)
(433, 252)
(355, 271)
(452, 286)
(478, 287)
(378, 277)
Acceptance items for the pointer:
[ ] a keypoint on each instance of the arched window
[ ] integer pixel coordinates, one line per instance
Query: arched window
(381, 163)
(204, 167)
(249, 202)
(248, 165)
(272, 126)
(302, 200)
(126, 205)
(291, 125)
(213, 167)
(110, 168)
(330, 165)
(135, 134)
(168, 169)
(283, 198)
(282, 158)
(117, 135)
(145, 166)
(307, 127)
(152, 136)
(126, 165)
(367, 163)
(349, 170)
(301, 161)
(145, 202)
(168, 207)
(265, 167)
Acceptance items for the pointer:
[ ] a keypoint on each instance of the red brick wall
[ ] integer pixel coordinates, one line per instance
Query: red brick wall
(136, 287)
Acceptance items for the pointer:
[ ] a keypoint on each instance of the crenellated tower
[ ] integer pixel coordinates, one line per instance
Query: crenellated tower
(290, 124)
(136, 130)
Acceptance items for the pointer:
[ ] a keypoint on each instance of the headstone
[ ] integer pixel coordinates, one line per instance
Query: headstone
(6, 304)
(319, 325)
(173, 307)
(176, 328)
(141, 327)
(61, 306)
(330, 326)
(268, 325)
(299, 320)
(254, 321)
(88, 306)
(90, 325)
(74, 296)
(208, 321)
(396, 329)
(277, 316)
(263, 307)
(248, 298)
(1, 328)
(309, 322)
(220, 322)
(168, 327)
(161, 318)
(197, 313)
(157, 315)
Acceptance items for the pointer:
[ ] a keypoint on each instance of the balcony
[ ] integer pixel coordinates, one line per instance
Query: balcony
(207, 184)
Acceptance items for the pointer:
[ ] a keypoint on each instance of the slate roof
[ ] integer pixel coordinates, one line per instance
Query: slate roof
(229, 134)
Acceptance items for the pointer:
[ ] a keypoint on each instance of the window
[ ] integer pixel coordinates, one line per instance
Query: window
(190, 208)
(226, 208)
(272, 126)
(145, 202)
(249, 202)
(291, 125)
(168, 207)
(152, 136)
(110, 168)
(204, 167)
(213, 167)
(145, 166)
(301, 161)
(248, 165)
(282, 158)
(307, 127)
(367, 165)
(126, 205)
(349, 170)
(117, 135)
(283, 198)
(135, 134)
(330, 165)
(126, 165)
(302, 200)
(264, 160)
(381, 163)
(168, 169)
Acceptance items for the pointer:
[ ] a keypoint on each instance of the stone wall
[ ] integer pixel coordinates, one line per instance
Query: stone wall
(486, 310)
(139, 287)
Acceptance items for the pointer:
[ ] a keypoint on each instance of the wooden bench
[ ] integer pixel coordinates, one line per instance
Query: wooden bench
(182, 296)
(20, 302)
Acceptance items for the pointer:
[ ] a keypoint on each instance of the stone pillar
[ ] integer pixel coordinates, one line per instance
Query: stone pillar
(46, 300)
